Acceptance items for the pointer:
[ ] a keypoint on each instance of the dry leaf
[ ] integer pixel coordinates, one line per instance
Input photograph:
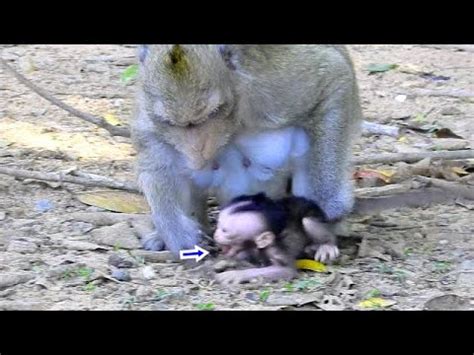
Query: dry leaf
(116, 201)
(446, 133)
(383, 175)
(403, 139)
(112, 119)
(308, 264)
(375, 302)
(459, 171)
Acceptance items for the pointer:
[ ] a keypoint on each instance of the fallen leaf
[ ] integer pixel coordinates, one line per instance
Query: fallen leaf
(129, 74)
(375, 302)
(380, 68)
(434, 77)
(112, 119)
(308, 264)
(409, 69)
(383, 175)
(282, 299)
(446, 133)
(459, 171)
(116, 201)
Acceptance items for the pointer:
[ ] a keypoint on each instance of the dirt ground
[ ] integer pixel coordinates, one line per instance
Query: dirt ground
(412, 258)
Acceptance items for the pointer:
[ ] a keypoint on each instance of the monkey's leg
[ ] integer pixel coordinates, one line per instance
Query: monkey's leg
(270, 273)
(324, 247)
(169, 199)
(324, 173)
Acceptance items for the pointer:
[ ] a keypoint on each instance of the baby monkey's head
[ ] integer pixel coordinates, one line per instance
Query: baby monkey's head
(249, 219)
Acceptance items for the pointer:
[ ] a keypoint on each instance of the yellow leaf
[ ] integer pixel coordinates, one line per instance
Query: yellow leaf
(459, 171)
(116, 201)
(384, 175)
(376, 302)
(112, 119)
(403, 139)
(307, 264)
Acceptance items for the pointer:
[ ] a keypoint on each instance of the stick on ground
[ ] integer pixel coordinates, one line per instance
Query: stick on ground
(369, 128)
(114, 130)
(413, 157)
(86, 179)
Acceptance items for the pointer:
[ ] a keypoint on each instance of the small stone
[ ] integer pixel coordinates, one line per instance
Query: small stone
(22, 247)
(447, 302)
(443, 242)
(144, 293)
(120, 261)
(22, 306)
(252, 297)
(450, 111)
(281, 299)
(80, 245)
(222, 265)
(449, 144)
(148, 272)
(467, 265)
(3, 215)
(400, 98)
(19, 223)
(8, 280)
(121, 275)
(154, 256)
(167, 283)
(119, 235)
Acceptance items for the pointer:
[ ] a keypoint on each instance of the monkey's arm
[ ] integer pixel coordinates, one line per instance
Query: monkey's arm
(270, 273)
(174, 202)
(325, 175)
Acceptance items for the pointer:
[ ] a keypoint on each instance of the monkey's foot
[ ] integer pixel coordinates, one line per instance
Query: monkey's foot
(153, 242)
(326, 252)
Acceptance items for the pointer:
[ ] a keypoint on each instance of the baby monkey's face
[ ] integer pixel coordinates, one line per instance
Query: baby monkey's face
(235, 228)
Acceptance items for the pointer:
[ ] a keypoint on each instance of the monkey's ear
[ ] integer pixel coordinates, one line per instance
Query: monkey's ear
(228, 55)
(142, 52)
(264, 240)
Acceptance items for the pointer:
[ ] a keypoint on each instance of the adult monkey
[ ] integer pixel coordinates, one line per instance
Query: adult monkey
(242, 119)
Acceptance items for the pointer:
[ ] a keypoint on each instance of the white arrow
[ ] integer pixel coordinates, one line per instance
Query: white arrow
(197, 253)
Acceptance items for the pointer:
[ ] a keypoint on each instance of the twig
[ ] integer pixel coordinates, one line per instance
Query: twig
(369, 128)
(458, 48)
(90, 180)
(114, 130)
(412, 199)
(456, 190)
(456, 93)
(382, 190)
(413, 157)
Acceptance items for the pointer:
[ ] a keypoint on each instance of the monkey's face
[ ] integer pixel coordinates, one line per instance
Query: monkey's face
(190, 99)
(233, 229)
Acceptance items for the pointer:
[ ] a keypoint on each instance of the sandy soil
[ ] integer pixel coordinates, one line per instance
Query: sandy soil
(412, 258)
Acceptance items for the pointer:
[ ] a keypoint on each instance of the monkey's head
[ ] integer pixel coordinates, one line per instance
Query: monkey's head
(254, 218)
(189, 97)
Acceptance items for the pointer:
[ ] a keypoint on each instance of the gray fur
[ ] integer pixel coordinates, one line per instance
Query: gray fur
(264, 87)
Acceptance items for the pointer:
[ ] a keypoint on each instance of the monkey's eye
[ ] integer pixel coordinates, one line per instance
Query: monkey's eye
(218, 110)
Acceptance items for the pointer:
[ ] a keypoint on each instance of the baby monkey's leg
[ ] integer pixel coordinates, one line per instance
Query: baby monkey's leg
(325, 242)
(269, 273)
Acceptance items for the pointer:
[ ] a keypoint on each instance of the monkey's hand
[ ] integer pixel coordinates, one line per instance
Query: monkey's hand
(326, 252)
(173, 235)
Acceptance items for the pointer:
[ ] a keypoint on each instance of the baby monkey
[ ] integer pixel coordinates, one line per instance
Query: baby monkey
(272, 234)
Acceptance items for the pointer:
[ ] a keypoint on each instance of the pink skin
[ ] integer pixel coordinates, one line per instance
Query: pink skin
(269, 273)
(233, 229)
